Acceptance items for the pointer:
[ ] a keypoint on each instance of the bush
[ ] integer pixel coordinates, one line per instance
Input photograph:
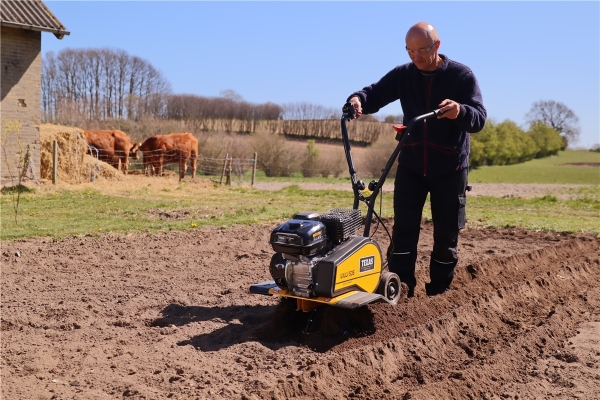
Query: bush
(333, 165)
(377, 156)
(275, 155)
(506, 143)
(548, 140)
(309, 163)
(213, 147)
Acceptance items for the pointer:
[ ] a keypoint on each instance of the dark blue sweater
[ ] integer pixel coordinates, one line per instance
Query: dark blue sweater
(437, 146)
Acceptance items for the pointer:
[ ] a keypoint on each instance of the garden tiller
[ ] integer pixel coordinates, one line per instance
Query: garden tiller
(318, 258)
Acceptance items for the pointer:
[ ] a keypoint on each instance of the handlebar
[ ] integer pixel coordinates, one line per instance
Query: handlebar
(349, 113)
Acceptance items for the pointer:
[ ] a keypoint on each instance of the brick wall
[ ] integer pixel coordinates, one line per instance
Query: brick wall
(21, 65)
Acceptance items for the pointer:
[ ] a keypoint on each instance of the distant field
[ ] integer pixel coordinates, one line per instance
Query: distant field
(555, 169)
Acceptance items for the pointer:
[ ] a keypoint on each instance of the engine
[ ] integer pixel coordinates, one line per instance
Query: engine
(302, 242)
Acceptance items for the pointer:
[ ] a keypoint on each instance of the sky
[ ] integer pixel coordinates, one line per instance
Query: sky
(320, 52)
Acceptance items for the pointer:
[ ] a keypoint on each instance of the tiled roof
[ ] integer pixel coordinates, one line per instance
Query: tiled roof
(30, 14)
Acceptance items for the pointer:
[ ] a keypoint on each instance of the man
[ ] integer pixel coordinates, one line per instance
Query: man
(434, 158)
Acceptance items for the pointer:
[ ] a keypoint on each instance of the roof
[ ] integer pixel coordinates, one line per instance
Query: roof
(30, 14)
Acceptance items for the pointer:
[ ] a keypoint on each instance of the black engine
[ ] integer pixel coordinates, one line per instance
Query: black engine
(304, 240)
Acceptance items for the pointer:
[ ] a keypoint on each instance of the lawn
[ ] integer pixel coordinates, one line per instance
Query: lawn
(67, 212)
(161, 205)
(554, 169)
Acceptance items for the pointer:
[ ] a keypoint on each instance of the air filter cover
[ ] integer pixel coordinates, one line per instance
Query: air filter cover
(341, 223)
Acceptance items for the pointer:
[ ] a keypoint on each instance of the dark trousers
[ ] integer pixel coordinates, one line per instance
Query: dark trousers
(448, 200)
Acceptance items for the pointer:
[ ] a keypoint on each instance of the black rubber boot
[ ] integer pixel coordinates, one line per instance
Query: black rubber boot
(433, 290)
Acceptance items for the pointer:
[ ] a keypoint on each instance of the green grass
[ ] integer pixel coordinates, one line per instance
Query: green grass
(543, 213)
(84, 211)
(546, 170)
(554, 169)
(77, 212)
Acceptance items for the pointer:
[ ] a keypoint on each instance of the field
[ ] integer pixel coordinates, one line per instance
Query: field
(571, 166)
(138, 288)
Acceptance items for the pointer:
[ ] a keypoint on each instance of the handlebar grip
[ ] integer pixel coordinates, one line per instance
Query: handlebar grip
(349, 111)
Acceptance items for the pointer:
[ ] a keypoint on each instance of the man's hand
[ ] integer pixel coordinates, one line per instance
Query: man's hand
(355, 101)
(448, 109)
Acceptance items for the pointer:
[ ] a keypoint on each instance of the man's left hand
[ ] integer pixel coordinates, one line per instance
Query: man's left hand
(449, 109)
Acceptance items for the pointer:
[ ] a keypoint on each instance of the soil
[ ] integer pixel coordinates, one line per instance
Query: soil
(584, 164)
(154, 316)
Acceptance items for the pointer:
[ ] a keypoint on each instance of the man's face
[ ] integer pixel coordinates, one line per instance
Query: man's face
(423, 52)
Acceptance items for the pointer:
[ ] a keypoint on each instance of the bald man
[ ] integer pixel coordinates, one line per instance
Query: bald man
(434, 158)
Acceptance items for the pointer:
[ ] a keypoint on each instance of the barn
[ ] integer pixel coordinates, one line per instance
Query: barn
(22, 24)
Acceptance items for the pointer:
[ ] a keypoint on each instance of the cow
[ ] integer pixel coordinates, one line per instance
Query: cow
(112, 147)
(159, 150)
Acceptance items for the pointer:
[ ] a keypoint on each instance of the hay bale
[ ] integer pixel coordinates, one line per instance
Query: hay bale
(71, 150)
(100, 168)
(74, 165)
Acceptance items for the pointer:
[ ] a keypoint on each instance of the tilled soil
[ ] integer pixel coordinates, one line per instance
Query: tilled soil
(154, 316)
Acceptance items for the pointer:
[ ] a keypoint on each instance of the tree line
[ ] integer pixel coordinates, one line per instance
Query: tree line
(103, 84)
(506, 143)
(106, 84)
(99, 84)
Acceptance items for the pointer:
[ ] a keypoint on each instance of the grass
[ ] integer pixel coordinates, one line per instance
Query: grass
(549, 170)
(67, 212)
(75, 212)
(554, 169)
(143, 204)
(541, 213)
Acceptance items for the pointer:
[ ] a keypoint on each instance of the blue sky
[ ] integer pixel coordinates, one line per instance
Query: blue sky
(320, 52)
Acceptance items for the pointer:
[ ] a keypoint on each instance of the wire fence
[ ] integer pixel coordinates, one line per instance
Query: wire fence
(225, 169)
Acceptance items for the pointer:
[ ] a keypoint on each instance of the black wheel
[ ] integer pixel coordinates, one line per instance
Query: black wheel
(389, 286)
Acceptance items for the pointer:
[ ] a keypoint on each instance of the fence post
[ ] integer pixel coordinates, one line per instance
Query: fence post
(224, 166)
(228, 173)
(54, 160)
(253, 169)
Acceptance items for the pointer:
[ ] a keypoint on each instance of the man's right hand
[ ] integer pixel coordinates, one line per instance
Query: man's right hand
(355, 101)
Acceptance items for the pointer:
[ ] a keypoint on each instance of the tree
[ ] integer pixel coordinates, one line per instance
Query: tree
(393, 119)
(231, 95)
(100, 84)
(16, 160)
(548, 140)
(557, 116)
(367, 118)
(309, 164)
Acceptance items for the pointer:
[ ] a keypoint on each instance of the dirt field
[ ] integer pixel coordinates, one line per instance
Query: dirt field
(170, 316)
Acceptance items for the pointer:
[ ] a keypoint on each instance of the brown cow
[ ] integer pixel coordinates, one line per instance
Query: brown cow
(159, 150)
(113, 146)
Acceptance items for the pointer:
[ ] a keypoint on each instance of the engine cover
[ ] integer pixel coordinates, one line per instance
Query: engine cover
(354, 265)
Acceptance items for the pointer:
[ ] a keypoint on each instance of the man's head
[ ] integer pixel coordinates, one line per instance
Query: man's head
(422, 44)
